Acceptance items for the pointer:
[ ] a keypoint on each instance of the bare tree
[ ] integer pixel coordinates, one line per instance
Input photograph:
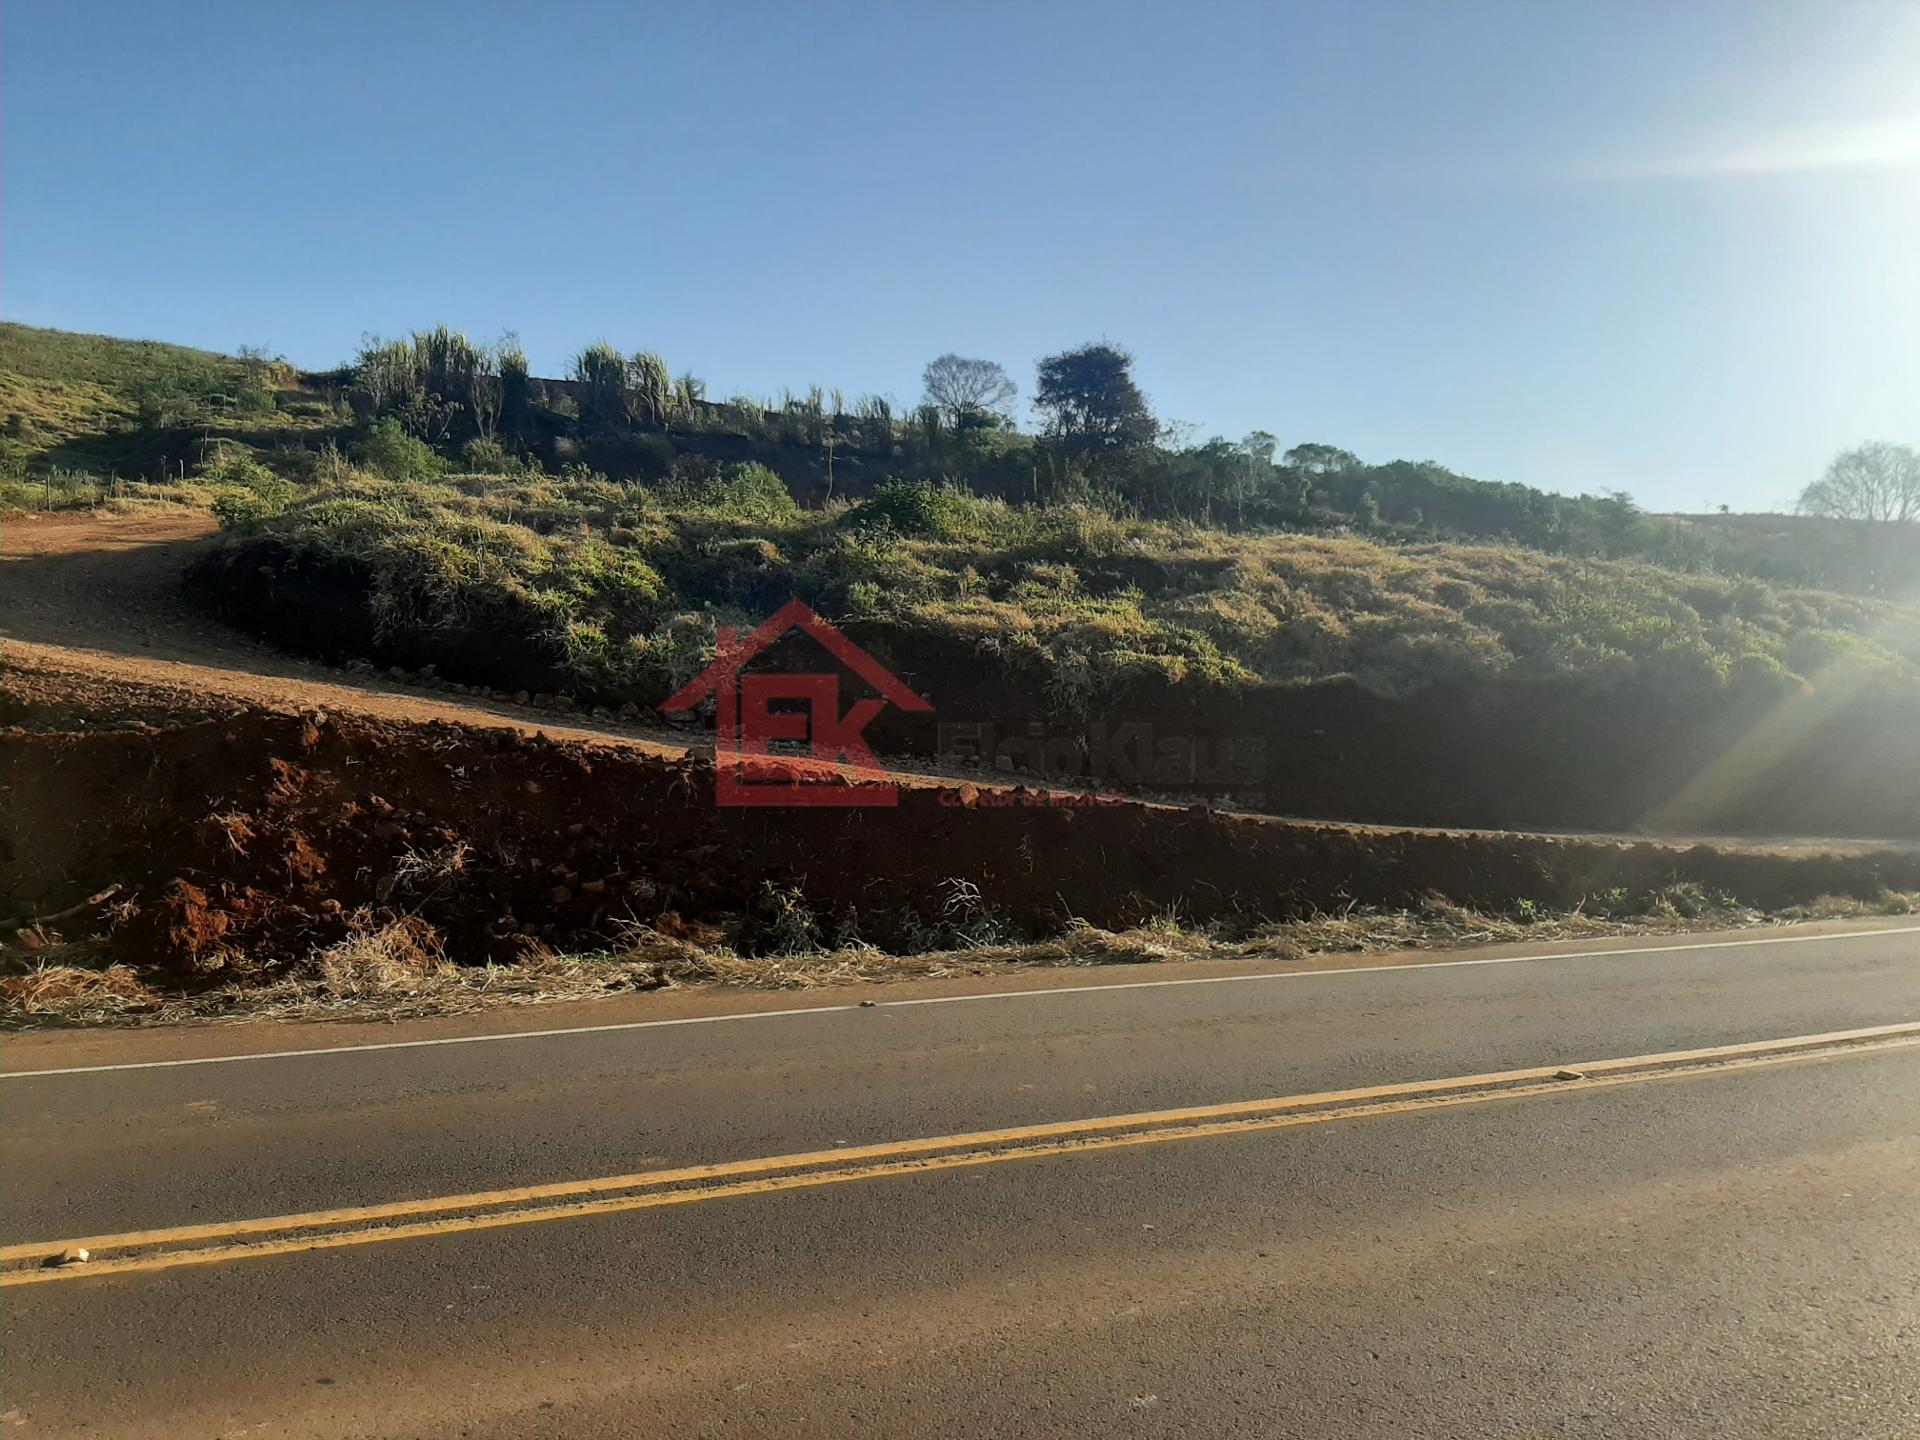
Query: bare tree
(1875, 481)
(258, 361)
(958, 387)
(486, 393)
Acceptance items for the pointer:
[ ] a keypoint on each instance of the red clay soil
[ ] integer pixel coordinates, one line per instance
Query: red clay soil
(260, 835)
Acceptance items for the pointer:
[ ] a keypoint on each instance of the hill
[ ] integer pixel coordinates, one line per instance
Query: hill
(83, 417)
(1309, 633)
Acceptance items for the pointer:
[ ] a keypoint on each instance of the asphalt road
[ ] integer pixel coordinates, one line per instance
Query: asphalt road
(1728, 1248)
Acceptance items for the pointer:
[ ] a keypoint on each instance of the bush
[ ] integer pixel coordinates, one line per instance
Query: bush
(913, 508)
(489, 457)
(747, 492)
(390, 452)
(252, 492)
(241, 510)
(235, 467)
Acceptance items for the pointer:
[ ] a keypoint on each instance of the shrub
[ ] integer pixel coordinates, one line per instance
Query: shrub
(489, 457)
(749, 492)
(252, 492)
(163, 404)
(241, 510)
(389, 451)
(913, 508)
(234, 467)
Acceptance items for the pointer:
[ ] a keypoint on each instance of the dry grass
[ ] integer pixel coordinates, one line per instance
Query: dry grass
(51, 991)
(400, 958)
(400, 970)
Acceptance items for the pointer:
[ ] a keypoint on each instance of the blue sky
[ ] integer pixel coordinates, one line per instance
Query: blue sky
(1667, 248)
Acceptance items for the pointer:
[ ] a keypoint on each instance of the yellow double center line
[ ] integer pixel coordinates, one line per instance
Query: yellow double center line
(165, 1249)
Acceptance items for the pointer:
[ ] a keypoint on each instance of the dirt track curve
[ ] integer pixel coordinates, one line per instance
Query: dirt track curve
(91, 608)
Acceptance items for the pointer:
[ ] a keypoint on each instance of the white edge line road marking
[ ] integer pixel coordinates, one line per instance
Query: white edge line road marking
(1042, 994)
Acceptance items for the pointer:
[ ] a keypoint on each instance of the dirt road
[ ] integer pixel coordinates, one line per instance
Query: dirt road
(92, 611)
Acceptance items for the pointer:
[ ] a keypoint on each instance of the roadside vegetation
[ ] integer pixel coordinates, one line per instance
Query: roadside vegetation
(397, 969)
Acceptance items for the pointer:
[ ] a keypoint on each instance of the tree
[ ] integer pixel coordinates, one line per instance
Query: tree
(486, 392)
(652, 383)
(384, 374)
(1320, 459)
(958, 388)
(1254, 470)
(1177, 434)
(689, 398)
(1093, 408)
(875, 415)
(446, 360)
(1875, 481)
(1258, 447)
(1619, 521)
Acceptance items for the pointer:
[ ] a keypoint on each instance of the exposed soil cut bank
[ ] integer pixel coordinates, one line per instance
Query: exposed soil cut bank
(252, 839)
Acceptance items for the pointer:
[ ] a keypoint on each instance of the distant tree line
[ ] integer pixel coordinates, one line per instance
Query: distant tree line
(1096, 440)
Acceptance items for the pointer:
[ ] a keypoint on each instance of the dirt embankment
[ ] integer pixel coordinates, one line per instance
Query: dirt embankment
(251, 839)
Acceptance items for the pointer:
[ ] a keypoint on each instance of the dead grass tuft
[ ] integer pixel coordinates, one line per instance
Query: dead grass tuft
(1839, 907)
(400, 970)
(75, 994)
(399, 958)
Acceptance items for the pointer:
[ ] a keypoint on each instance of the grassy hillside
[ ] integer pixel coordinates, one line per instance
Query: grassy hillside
(607, 576)
(122, 366)
(1402, 642)
(82, 416)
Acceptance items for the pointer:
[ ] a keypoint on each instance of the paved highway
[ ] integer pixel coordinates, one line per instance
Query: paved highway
(1580, 1190)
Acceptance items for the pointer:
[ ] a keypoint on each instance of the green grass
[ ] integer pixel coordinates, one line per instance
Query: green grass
(119, 366)
(616, 578)
(135, 409)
